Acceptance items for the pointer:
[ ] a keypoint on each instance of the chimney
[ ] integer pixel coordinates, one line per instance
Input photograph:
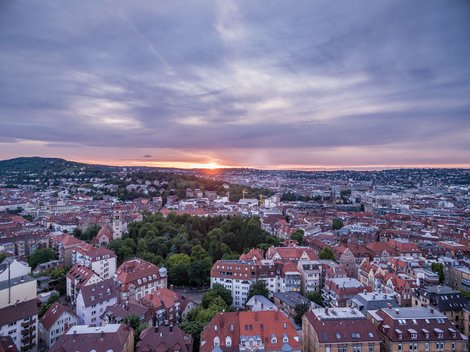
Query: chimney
(397, 311)
(432, 310)
(171, 328)
(326, 311)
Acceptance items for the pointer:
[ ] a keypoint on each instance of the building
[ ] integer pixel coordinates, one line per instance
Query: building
(7, 344)
(338, 329)
(238, 275)
(457, 277)
(137, 278)
(119, 312)
(118, 226)
(18, 307)
(16, 283)
(78, 277)
(310, 275)
(164, 338)
(366, 301)
(417, 329)
(55, 322)
(65, 244)
(168, 307)
(103, 237)
(338, 291)
(287, 301)
(99, 259)
(258, 303)
(20, 322)
(94, 299)
(82, 338)
(235, 275)
(250, 331)
(444, 299)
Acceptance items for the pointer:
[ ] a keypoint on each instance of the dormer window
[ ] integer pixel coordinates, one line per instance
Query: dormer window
(216, 341)
(228, 341)
(273, 340)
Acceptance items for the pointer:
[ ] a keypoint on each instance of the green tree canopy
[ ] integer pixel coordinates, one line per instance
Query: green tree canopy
(326, 253)
(258, 288)
(298, 236)
(315, 297)
(217, 290)
(300, 310)
(337, 224)
(39, 256)
(439, 269)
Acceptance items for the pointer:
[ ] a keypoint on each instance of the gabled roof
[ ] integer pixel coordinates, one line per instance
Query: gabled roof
(99, 292)
(270, 327)
(54, 312)
(104, 231)
(132, 270)
(163, 339)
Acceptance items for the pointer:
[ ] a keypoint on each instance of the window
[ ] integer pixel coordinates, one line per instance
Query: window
(357, 348)
(371, 347)
(426, 346)
(400, 347)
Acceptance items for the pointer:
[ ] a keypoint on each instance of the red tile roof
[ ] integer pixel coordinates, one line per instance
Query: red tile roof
(265, 324)
(53, 313)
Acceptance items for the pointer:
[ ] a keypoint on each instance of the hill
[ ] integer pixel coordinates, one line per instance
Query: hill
(39, 165)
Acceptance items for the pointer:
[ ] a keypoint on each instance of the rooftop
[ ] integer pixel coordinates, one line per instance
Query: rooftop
(413, 313)
(337, 313)
(85, 329)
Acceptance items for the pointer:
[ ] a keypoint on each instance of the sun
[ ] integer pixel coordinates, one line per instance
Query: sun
(210, 166)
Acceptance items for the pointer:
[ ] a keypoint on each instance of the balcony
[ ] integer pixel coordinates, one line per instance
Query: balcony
(28, 323)
(29, 330)
(28, 339)
(465, 282)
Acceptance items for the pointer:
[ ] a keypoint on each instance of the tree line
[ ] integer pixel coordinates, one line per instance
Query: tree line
(188, 245)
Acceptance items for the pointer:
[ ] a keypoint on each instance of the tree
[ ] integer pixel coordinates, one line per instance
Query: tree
(60, 276)
(45, 306)
(194, 328)
(134, 321)
(3, 256)
(326, 253)
(298, 236)
(438, 268)
(337, 224)
(258, 288)
(315, 297)
(217, 290)
(300, 310)
(39, 256)
(90, 232)
(178, 268)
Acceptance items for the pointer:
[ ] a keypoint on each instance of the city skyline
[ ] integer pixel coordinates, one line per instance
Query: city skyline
(310, 85)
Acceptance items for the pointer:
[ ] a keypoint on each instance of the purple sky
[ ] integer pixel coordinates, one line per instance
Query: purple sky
(245, 83)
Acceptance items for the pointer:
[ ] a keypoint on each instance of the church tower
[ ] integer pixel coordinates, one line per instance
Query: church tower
(117, 223)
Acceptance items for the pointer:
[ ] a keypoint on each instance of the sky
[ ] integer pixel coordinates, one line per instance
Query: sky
(255, 83)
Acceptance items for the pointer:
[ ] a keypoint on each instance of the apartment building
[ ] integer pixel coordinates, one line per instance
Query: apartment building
(338, 329)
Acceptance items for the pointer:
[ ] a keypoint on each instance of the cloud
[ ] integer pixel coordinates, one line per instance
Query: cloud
(237, 81)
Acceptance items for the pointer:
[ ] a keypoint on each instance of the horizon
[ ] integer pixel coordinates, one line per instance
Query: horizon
(370, 168)
(237, 84)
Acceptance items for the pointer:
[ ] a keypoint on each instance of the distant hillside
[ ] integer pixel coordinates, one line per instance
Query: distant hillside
(42, 165)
